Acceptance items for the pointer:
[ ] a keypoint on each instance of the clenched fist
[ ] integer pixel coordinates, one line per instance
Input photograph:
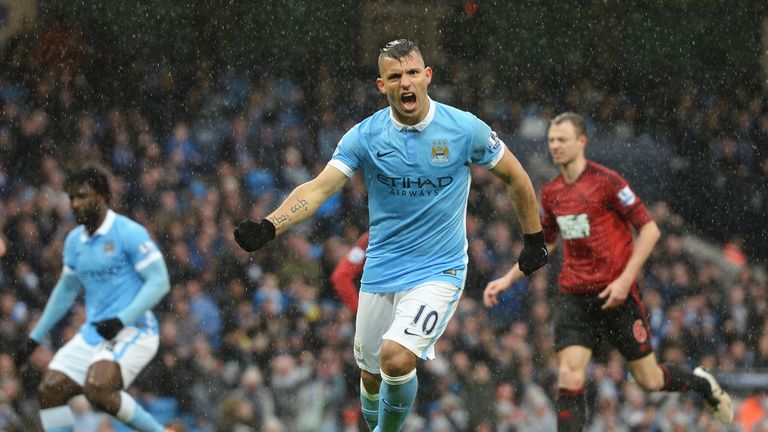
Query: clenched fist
(534, 254)
(251, 235)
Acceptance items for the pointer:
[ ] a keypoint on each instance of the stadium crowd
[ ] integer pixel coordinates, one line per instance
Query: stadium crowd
(257, 342)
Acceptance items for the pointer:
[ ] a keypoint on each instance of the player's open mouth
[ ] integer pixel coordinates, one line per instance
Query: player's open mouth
(408, 99)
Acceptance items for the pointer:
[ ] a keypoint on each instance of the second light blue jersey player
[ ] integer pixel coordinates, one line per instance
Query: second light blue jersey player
(108, 266)
(418, 180)
(123, 275)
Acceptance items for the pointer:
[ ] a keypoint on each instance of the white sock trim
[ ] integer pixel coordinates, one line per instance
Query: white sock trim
(364, 392)
(398, 380)
(58, 417)
(127, 407)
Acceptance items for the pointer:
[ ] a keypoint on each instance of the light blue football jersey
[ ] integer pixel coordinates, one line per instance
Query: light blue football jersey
(418, 182)
(107, 265)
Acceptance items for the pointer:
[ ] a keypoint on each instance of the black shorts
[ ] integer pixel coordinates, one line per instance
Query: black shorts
(580, 321)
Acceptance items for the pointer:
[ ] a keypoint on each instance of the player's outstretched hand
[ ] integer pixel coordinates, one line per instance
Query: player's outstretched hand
(534, 254)
(494, 288)
(23, 351)
(109, 328)
(252, 235)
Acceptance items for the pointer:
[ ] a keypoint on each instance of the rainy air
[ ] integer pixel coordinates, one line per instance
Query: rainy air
(383, 216)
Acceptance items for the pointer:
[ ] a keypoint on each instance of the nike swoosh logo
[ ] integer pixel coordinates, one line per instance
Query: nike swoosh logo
(382, 154)
(406, 331)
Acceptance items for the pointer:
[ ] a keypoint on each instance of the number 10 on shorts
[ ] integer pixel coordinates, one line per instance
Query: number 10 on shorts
(428, 321)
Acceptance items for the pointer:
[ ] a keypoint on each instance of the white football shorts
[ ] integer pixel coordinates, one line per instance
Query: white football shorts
(132, 349)
(414, 319)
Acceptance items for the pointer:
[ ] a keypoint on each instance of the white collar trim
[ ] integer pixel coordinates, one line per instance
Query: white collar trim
(420, 126)
(109, 220)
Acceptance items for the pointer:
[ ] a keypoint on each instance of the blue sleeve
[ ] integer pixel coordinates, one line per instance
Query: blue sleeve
(156, 286)
(486, 147)
(140, 249)
(346, 157)
(61, 299)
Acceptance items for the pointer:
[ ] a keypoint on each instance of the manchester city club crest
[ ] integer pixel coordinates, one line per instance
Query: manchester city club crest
(440, 152)
(109, 248)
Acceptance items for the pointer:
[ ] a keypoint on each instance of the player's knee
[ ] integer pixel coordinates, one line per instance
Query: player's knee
(46, 386)
(98, 395)
(46, 389)
(370, 381)
(395, 366)
(55, 390)
(397, 360)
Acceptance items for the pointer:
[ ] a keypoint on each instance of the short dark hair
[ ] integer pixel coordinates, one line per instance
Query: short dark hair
(398, 49)
(576, 120)
(92, 176)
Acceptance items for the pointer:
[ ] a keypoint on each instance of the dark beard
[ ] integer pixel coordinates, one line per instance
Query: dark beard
(90, 218)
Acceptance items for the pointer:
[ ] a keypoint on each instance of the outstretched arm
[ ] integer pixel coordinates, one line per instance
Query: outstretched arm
(304, 201)
(301, 203)
(497, 286)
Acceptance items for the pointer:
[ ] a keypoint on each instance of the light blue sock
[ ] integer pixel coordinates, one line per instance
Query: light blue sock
(57, 419)
(370, 407)
(135, 416)
(396, 399)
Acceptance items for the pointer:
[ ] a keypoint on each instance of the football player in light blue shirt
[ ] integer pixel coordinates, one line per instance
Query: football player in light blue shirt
(123, 275)
(414, 157)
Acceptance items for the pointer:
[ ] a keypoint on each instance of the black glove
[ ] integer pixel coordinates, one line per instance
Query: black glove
(109, 328)
(22, 353)
(534, 254)
(251, 235)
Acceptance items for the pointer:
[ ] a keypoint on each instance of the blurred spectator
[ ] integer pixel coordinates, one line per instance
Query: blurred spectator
(269, 296)
(204, 311)
(252, 388)
(286, 381)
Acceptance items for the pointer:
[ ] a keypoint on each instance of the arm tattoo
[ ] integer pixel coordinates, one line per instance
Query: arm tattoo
(301, 204)
(277, 220)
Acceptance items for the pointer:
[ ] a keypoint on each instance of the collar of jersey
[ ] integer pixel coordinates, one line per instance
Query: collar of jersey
(420, 126)
(109, 220)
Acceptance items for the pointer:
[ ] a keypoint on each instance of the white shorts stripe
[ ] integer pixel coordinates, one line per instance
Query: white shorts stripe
(132, 349)
(119, 354)
(446, 316)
